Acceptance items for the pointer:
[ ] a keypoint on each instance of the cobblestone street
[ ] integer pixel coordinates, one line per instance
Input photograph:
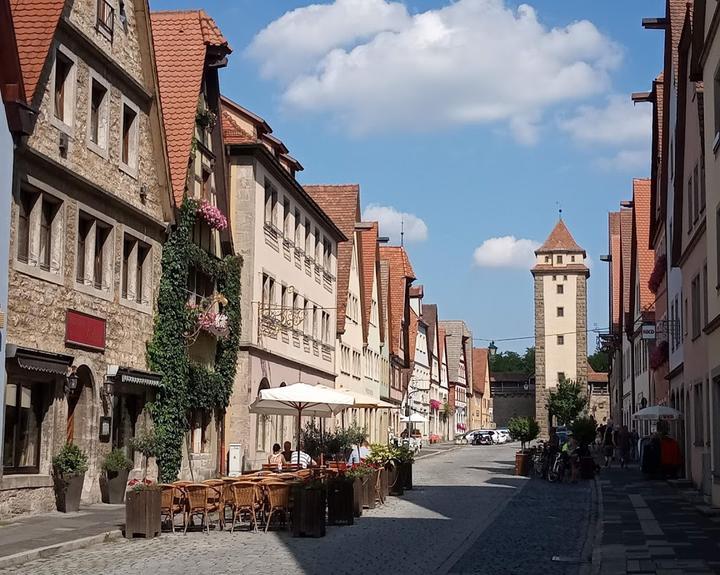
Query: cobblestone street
(467, 514)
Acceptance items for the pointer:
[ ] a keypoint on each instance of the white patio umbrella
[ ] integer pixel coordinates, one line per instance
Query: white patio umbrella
(657, 413)
(414, 418)
(301, 399)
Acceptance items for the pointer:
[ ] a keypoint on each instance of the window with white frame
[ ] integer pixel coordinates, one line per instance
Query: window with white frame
(200, 286)
(63, 83)
(308, 320)
(287, 220)
(98, 116)
(39, 231)
(268, 294)
(318, 247)
(94, 257)
(271, 200)
(129, 136)
(136, 270)
(308, 239)
(316, 322)
(327, 252)
(298, 229)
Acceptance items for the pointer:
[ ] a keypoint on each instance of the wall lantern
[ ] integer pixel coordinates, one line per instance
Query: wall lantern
(492, 348)
(71, 381)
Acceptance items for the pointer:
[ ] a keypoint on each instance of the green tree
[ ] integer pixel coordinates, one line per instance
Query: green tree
(567, 401)
(529, 360)
(512, 361)
(599, 361)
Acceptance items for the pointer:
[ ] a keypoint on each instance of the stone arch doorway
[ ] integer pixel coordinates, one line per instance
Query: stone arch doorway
(81, 407)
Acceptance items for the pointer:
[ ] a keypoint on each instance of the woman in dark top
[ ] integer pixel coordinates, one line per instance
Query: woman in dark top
(608, 444)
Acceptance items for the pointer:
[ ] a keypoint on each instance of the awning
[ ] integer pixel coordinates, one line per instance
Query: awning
(38, 360)
(134, 376)
(363, 401)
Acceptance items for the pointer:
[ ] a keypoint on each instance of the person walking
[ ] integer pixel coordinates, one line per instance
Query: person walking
(623, 440)
(608, 444)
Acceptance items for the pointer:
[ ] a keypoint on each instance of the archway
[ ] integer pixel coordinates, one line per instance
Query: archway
(81, 407)
(261, 422)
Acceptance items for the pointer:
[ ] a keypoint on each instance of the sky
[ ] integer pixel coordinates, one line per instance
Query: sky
(471, 121)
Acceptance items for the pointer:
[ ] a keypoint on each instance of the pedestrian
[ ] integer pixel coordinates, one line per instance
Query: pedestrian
(553, 446)
(359, 452)
(608, 444)
(623, 440)
(572, 457)
(287, 450)
(276, 458)
(601, 432)
(634, 443)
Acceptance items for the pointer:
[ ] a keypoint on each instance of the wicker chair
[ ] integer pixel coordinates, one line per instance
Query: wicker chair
(245, 500)
(203, 500)
(172, 502)
(278, 497)
(219, 486)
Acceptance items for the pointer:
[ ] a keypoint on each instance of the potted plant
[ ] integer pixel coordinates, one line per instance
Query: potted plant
(340, 499)
(146, 443)
(69, 467)
(584, 430)
(142, 509)
(308, 514)
(525, 430)
(115, 475)
(404, 458)
(365, 475)
(381, 457)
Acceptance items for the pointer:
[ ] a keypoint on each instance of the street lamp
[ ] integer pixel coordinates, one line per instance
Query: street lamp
(492, 348)
(71, 381)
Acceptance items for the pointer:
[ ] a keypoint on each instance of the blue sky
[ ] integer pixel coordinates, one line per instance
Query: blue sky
(476, 118)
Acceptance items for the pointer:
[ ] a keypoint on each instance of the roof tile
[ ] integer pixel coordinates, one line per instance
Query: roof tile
(559, 240)
(645, 256)
(400, 271)
(480, 368)
(369, 255)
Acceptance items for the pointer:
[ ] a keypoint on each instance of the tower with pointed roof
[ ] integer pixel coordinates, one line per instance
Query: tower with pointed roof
(560, 281)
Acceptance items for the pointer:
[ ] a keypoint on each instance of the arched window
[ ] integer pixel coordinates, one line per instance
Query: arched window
(283, 384)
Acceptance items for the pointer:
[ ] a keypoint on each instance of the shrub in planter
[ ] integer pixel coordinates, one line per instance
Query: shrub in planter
(115, 468)
(146, 443)
(525, 430)
(142, 509)
(584, 430)
(366, 473)
(404, 458)
(69, 467)
(308, 514)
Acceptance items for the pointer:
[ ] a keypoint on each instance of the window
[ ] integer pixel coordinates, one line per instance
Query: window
(560, 376)
(558, 259)
(24, 404)
(705, 294)
(572, 258)
(315, 321)
(564, 278)
(94, 258)
(560, 288)
(136, 270)
(716, 136)
(268, 294)
(699, 436)
(64, 86)
(39, 233)
(327, 251)
(283, 303)
(200, 286)
(200, 423)
(696, 306)
(105, 18)
(717, 225)
(702, 184)
(307, 323)
(129, 137)
(684, 318)
(548, 259)
(206, 181)
(308, 239)
(561, 312)
(287, 222)
(98, 116)
(561, 340)
(318, 247)
(374, 313)
(696, 193)
(298, 229)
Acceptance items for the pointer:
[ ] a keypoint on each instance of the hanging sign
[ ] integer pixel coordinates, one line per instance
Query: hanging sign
(648, 331)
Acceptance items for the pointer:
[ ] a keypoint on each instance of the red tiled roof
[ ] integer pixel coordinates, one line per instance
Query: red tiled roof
(626, 219)
(341, 203)
(644, 258)
(676, 10)
(412, 333)
(369, 253)
(181, 40)
(480, 368)
(233, 133)
(400, 271)
(559, 240)
(35, 23)
(596, 376)
(615, 265)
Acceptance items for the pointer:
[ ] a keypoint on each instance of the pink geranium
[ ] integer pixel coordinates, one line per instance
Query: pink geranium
(212, 215)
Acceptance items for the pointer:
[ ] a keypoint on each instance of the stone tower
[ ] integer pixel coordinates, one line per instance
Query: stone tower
(560, 276)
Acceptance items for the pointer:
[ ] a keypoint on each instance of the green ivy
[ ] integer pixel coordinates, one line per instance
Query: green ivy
(186, 385)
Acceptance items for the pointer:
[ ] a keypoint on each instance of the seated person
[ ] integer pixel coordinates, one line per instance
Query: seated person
(276, 458)
(359, 453)
(302, 459)
(287, 451)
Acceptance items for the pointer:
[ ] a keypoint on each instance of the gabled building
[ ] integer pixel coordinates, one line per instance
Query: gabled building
(459, 364)
(481, 405)
(628, 374)
(613, 343)
(91, 201)
(419, 386)
(437, 395)
(291, 265)
(447, 399)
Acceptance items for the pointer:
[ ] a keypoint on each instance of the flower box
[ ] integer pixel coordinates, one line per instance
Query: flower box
(405, 477)
(142, 513)
(340, 499)
(357, 497)
(68, 489)
(308, 514)
(368, 490)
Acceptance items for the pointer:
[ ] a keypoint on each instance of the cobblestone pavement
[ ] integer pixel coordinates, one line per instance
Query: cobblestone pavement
(651, 527)
(432, 529)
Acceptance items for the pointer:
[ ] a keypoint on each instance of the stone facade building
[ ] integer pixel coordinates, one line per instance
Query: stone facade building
(459, 365)
(481, 403)
(560, 277)
(90, 207)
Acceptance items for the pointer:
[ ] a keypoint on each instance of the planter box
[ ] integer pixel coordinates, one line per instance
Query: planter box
(395, 484)
(522, 463)
(384, 486)
(405, 477)
(112, 487)
(368, 490)
(358, 496)
(142, 513)
(68, 489)
(340, 502)
(308, 514)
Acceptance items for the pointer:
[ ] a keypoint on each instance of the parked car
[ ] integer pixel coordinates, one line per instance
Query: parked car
(470, 435)
(482, 438)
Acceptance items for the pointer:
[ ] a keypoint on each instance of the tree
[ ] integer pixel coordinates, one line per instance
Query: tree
(599, 361)
(508, 361)
(567, 401)
(523, 429)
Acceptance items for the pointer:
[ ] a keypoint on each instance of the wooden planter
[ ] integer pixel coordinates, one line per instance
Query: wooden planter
(357, 497)
(522, 463)
(405, 477)
(113, 485)
(384, 486)
(340, 501)
(68, 489)
(142, 513)
(395, 484)
(308, 516)
(368, 490)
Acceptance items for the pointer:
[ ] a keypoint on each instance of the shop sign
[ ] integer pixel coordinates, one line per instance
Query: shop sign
(83, 330)
(648, 331)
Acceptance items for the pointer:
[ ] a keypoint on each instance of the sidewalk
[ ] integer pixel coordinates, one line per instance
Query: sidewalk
(649, 526)
(36, 536)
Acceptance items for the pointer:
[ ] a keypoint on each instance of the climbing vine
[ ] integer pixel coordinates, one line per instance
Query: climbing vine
(188, 385)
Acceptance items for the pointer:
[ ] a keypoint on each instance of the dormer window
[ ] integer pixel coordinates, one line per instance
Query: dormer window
(548, 259)
(572, 258)
(105, 18)
(558, 259)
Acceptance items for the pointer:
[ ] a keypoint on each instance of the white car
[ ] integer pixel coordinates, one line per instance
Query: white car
(497, 438)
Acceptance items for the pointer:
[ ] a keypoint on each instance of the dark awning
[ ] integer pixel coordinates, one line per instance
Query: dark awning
(38, 360)
(138, 377)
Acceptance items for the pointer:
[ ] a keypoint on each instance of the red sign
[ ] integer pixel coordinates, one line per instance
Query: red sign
(83, 330)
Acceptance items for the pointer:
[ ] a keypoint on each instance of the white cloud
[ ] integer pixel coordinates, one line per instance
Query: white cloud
(626, 161)
(620, 122)
(392, 222)
(469, 62)
(506, 252)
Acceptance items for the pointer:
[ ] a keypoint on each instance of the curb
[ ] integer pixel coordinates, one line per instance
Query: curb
(64, 547)
(592, 547)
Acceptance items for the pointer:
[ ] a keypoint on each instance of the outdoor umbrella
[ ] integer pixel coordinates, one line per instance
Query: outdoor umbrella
(301, 399)
(657, 413)
(414, 418)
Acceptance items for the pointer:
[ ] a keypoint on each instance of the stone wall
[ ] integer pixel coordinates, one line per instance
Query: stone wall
(541, 411)
(508, 406)
(581, 329)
